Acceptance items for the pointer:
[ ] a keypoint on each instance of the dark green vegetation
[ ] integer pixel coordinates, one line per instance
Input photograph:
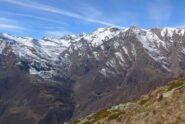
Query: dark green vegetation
(115, 115)
(74, 121)
(176, 84)
(99, 115)
(142, 102)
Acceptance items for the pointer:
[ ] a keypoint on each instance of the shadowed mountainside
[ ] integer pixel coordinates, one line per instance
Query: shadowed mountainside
(27, 99)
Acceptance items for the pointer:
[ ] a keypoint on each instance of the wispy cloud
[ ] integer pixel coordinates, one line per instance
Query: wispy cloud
(8, 24)
(54, 28)
(33, 17)
(159, 11)
(89, 11)
(51, 9)
(56, 33)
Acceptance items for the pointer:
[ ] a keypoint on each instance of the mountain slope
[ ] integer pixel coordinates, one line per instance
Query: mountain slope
(100, 69)
(29, 99)
(164, 105)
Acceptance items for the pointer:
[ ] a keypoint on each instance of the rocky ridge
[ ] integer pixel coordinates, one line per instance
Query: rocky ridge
(164, 105)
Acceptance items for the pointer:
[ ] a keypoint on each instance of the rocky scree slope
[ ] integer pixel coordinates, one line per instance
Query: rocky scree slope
(165, 105)
(102, 68)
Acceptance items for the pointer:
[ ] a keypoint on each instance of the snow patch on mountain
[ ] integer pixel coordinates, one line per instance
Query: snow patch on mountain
(151, 42)
(125, 50)
(100, 35)
(169, 32)
(106, 72)
(103, 71)
(120, 57)
(2, 46)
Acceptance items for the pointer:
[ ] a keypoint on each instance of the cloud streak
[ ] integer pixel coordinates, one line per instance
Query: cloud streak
(32, 16)
(56, 33)
(8, 24)
(51, 9)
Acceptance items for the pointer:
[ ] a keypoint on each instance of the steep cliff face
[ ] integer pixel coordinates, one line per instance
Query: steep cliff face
(164, 105)
(93, 71)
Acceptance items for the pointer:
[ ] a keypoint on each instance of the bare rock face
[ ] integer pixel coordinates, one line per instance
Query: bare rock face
(81, 74)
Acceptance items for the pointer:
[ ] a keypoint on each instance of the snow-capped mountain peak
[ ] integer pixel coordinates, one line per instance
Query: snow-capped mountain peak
(48, 55)
(97, 37)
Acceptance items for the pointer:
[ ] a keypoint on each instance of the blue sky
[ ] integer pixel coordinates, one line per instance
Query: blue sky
(38, 18)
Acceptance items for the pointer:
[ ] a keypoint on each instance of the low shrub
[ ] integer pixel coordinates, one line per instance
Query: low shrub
(114, 116)
(100, 115)
(74, 122)
(175, 85)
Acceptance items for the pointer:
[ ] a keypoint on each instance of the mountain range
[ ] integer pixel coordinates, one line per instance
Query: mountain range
(55, 79)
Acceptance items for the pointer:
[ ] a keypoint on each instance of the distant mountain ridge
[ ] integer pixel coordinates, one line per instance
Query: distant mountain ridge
(52, 49)
(109, 65)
